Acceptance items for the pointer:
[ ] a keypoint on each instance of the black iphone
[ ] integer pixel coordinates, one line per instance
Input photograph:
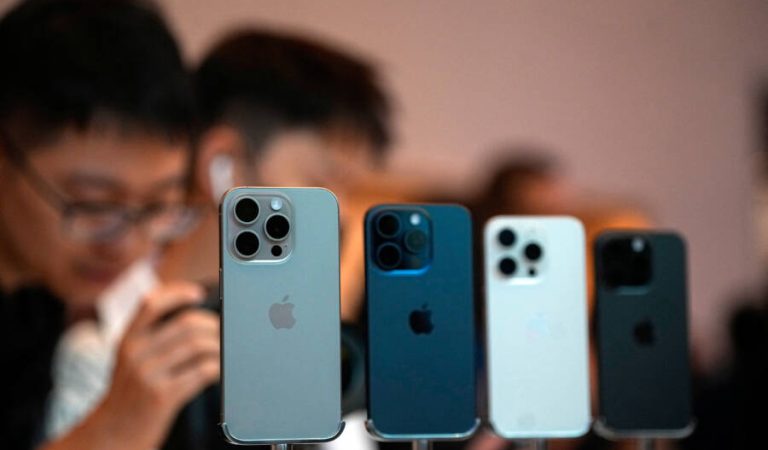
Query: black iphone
(642, 335)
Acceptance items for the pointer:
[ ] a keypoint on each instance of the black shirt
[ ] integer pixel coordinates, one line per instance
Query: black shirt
(31, 322)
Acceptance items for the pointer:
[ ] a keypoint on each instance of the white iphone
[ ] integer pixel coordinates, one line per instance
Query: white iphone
(537, 327)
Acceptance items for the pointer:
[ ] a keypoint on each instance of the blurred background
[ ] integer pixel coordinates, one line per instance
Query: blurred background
(658, 102)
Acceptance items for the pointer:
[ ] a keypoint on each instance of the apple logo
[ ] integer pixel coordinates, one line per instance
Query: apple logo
(541, 327)
(645, 333)
(421, 320)
(281, 314)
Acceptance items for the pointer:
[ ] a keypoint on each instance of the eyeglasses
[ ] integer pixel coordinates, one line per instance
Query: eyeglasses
(100, 222)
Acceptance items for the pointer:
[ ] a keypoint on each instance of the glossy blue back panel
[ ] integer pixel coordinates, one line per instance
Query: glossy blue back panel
(423, 385)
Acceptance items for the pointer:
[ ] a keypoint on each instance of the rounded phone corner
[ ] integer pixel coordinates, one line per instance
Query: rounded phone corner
(572, 433)
(688, 429)
(583, 429)
(572, 221)
(605, 236)
(470, 431)
(500, 432)
(330, 194)
(680, 240)
(232, 192)
(336, 434)
(460, 207)
(384, 437)
(491, 224)
(231, 438)
(375, 434)
(495, 429)
(604, 430)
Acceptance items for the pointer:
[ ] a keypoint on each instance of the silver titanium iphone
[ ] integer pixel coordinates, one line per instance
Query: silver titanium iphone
(280, 315)
(537, 332)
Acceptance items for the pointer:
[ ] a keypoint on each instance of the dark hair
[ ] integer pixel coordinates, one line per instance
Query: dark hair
(289, 81)
(513, 167)
(63, 61)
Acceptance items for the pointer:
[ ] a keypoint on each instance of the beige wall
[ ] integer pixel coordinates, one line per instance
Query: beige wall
(643, 98)
(646, 98)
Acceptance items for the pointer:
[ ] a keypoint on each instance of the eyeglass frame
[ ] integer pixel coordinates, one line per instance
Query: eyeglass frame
(126, 216)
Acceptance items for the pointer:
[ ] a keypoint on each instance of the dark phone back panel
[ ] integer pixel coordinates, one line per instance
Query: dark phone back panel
(423, 384)
(642, 337)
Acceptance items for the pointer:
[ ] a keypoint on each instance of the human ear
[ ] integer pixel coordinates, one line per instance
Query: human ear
(221, 148)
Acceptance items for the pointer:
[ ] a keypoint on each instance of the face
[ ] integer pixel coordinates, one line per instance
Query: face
(104, 166)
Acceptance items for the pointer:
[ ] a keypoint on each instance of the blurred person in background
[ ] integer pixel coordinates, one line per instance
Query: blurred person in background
(525, 180)
(96, 126)
(730, 401)
(285, 110)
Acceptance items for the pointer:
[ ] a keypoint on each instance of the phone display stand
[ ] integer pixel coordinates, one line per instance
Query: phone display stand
(646, 443)
(540, 444)
(422, 444)
(289, 445)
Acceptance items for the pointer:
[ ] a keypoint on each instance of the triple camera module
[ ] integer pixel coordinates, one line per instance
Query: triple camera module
(524, 259)
(262, 220)
(626, 262)
(401, 240)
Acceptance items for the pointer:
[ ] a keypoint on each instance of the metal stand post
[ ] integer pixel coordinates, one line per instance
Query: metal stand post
(422, 444)
(646, 444)
(280, 446)
(540, 444)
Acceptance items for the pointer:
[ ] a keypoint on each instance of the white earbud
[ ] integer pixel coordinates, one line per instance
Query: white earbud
(221, 173)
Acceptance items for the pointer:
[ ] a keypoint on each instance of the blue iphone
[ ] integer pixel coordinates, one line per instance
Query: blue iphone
(421, 325)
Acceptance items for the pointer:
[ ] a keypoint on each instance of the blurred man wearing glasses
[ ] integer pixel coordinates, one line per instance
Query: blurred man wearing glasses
(96, 123)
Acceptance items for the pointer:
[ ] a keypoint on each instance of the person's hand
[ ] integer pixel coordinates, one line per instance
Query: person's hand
(163, 362)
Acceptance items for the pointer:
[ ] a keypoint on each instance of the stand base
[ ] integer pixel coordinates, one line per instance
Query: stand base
(422, 444)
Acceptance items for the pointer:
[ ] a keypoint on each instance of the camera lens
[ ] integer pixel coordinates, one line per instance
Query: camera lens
(508, 266)
(247, 244)
(507, 237)
(388, 225)
(277, 227)
(246, 210)
(533, 252)
(415, 241)
(388, 256)
(626, 261)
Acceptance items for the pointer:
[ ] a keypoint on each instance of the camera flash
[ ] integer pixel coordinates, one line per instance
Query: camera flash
(415, 219)
(638, 245)
(276, 204)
